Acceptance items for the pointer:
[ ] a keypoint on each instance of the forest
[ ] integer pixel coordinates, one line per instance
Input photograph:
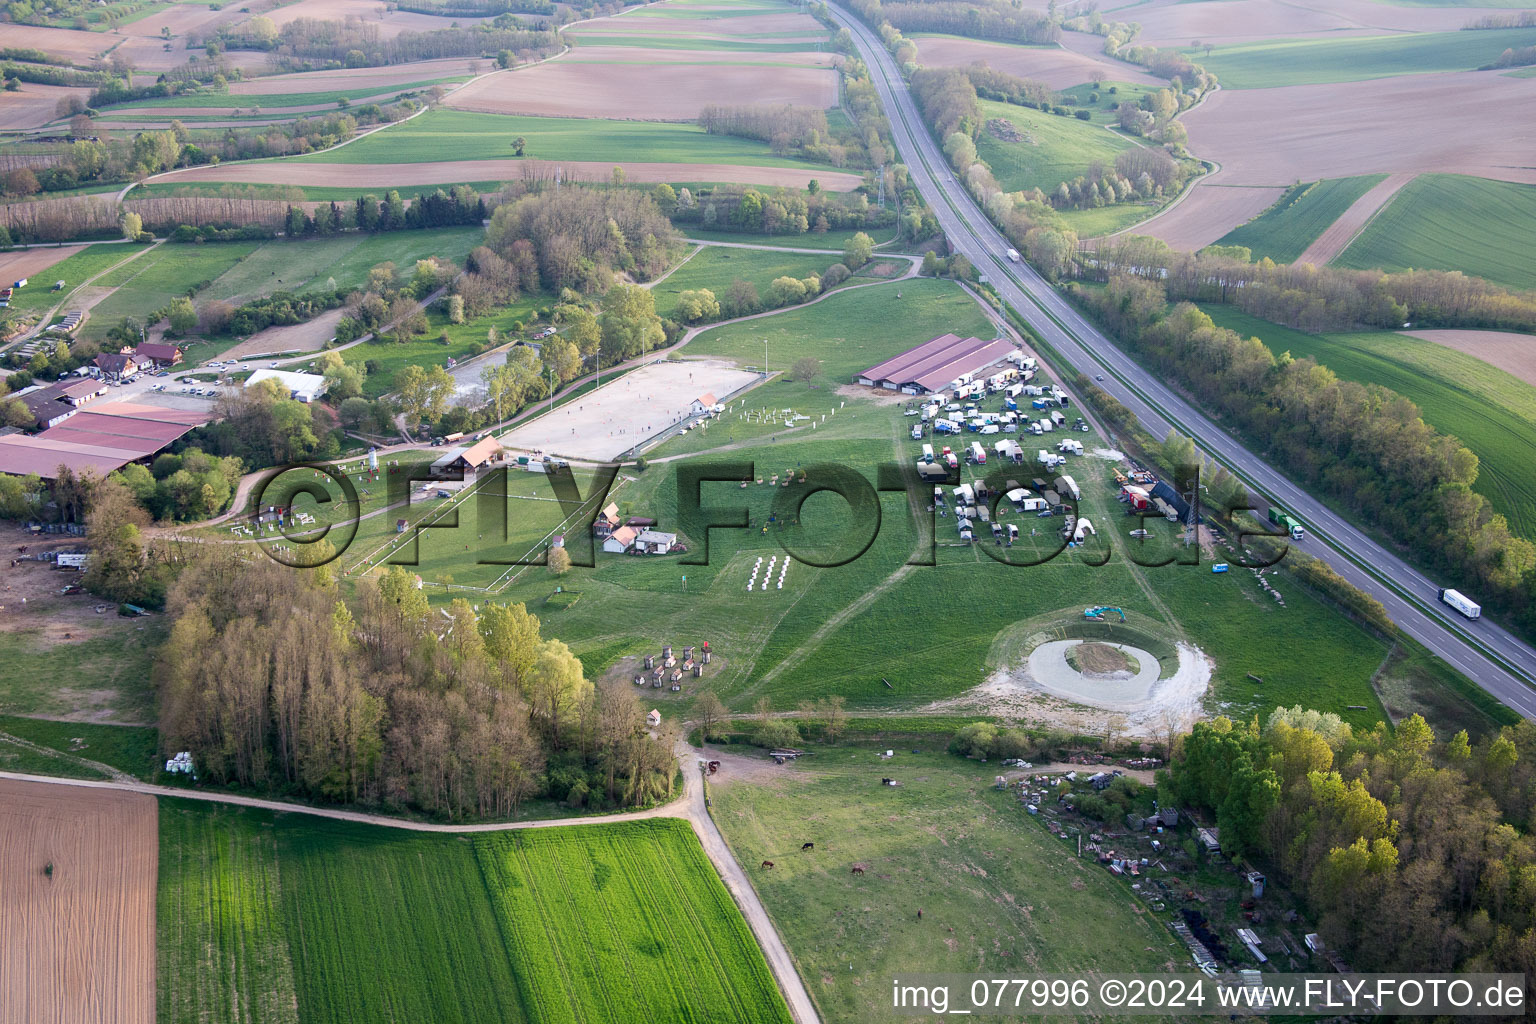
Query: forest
(579, 237)
(1411, 849)
(275, 683)
(989, 19)
(1363, 446)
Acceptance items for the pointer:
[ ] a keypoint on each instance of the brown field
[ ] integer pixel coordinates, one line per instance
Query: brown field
(78, 47)
(1057, 68)
(753, 27)
(310, 336)
(390, 23)
(1176, 23)
(32, 262)
(78, 947)
(1207, 213)
(450, 171)
(646, 56)
(1512, 353)
(675, 92)
(1413, 124)
(1341, 232)
(184, 18)
(32, 105)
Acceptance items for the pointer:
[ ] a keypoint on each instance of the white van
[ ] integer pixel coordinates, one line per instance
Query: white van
(928, 453)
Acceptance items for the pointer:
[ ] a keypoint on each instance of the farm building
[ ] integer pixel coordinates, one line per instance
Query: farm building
(158, 354)
(934, 365)
(653, 718)
(467, 458)
(52, 404)
(606, 522)
(304, 387)
(620, 540)
(704, 403)
(653, 542)
(105, 438)
(116, 365)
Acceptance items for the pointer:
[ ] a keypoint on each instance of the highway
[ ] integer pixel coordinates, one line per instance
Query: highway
(1491, 656)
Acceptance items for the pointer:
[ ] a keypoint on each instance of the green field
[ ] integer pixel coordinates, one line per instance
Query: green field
(1054, 150)
(715, 267)
(72, 270)
(1304, 212)
(281, 918)
(309, 265)
(851, 332)
(104, 675)
(276, 101)
(154, 279)
(1492, 412)
(1272, 63)
(1104, 220)
(999, 893)
(459, 135)
(1453, 222)
(697, 42)
(130, 748)
(832, 240)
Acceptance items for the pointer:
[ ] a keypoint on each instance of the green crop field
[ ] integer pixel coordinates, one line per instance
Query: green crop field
(276, 101)
(716, 267)
(72, 270)
(999, 893)
(154, 279)
(696, 42)
(309, 265)
(460, 135)
(1453, 222)
(1272, 63)
(1303, 213)
(282, 918)
(853, 331)
(1104, 220)
(1054, 150)
(1491, 411)
(313, 193)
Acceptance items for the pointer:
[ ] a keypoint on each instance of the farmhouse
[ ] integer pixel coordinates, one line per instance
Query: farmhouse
(105, 439)
(158, 354)
(653, 542)
(620, 540)
(934, 365)
(303, 387)
(467, 458)
(704, 403)
(606, 522)
(116, 365)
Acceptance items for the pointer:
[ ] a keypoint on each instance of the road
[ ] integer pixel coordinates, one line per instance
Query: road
(1498, 661)
(691, 806)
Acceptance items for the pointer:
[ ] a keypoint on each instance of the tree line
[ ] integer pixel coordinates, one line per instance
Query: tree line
(1410, 849)
(988, 19)
(580, 237)
(1363, 445)
(355, 43)
(786, 128)
(274, 682)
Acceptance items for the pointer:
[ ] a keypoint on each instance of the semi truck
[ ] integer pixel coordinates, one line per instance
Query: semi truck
(1013, 256)
(1280, 518)
(1459, 601)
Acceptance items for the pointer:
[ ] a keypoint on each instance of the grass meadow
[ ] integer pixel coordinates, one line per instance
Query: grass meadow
(154, 279)
(1299, 217)
(999, 893)
(284, 918)
(73, 270)
(1453, 222)
(276, 101)
(1272, 63)
(105, 673)
(1491, 411)
(130, 748)
(462, 135)
(1055, 149)
(715, 267)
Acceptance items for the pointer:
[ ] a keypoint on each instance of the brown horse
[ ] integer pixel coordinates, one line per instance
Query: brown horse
(767, 865)
(807, 846)
(858, 869)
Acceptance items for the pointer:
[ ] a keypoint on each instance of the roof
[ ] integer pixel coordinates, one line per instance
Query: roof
(611, 512)
(656, 537)
(114, 362)
(706, 399)
(310, 383)
(624, 535)
(157, 350)
(105, 438)
(934, 364)
(477, 454)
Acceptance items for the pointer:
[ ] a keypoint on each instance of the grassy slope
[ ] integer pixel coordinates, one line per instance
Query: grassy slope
(1056, 149)
(1453, 222)
(308, 265)
(1492, 412)
(86, 263)
(153, 280)
(1304, 212)
(276, 101)
(131, 748)
(297, 918)
(1272, 63)
(999, 894)
(461, 135)
(715, 268)
(106, 672)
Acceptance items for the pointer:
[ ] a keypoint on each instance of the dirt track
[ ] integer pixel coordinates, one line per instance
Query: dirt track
(79, 947)
(451, 171)
(1341, 232)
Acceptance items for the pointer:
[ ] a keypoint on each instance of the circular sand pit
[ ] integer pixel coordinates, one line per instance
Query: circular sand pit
(1113, 675)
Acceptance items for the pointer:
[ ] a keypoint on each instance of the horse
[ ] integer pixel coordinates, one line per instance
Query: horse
(807, 846)
(858, 869)
(767, 865)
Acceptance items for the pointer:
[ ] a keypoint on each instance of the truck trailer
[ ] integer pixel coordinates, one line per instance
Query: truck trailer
(1459, 601)
(1280, 518)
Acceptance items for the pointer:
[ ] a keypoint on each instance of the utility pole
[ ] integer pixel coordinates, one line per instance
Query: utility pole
(765, 357)
(551, 389)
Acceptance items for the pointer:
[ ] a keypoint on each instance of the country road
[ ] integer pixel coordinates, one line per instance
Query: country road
(1497, 660)
(691, 806)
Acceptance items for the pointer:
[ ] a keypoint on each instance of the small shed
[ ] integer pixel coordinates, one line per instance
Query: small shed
(653, 718)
